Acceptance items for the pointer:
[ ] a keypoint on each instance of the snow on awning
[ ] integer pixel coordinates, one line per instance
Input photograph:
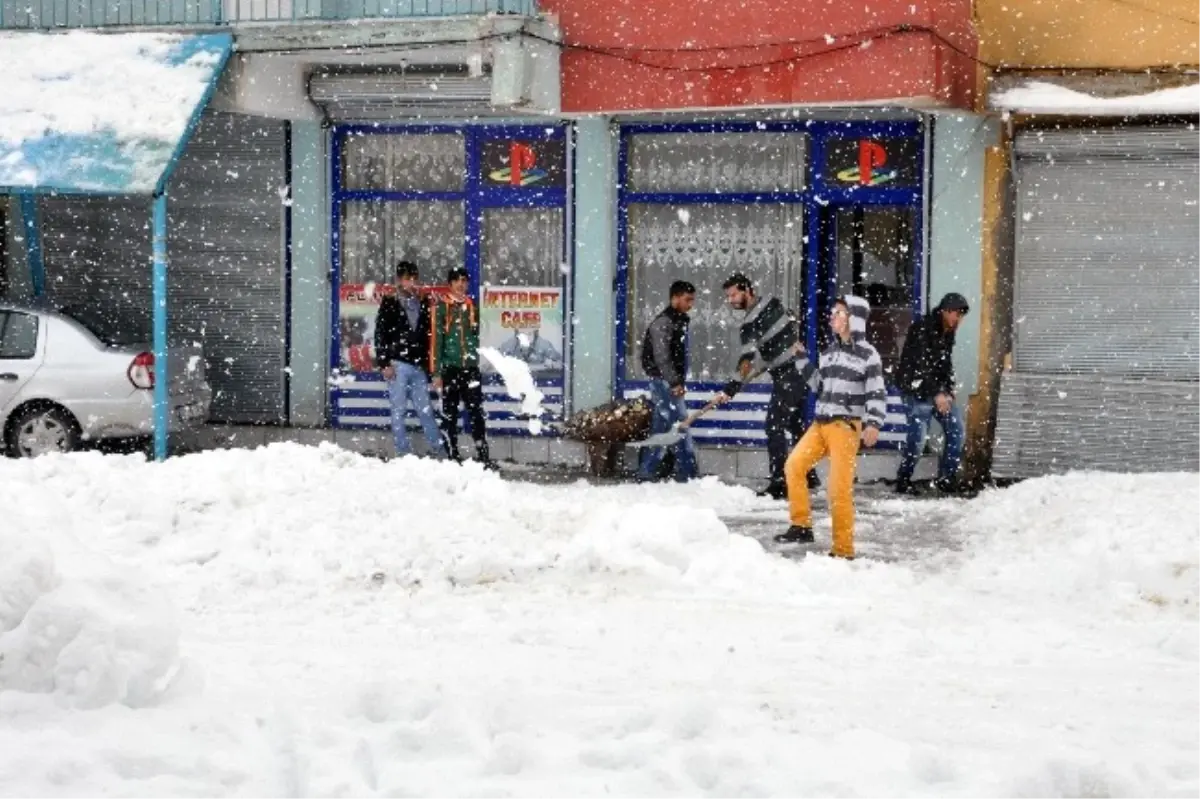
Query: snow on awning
(1043, 97)
(97, 113)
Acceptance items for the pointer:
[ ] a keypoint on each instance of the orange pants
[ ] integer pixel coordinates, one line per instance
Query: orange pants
(838, 440)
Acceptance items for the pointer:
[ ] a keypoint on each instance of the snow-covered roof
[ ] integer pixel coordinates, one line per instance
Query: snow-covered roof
(1042, 97)
(100, 113)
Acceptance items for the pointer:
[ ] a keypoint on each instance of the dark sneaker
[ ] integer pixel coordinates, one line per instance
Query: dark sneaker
(490, 465)
(774, 491)
(813, 480)
(904, 486)
(796, 535)
(948, 485)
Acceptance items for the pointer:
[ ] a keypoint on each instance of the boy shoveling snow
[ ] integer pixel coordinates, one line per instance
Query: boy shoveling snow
(848, 381)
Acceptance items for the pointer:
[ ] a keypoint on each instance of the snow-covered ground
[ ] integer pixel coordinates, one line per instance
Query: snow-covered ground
(297, 621)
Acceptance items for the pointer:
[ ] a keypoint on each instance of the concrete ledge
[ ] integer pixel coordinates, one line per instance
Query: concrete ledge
(743, 465)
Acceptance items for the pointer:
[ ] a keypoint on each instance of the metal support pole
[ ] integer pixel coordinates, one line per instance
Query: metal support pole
(33, 244)
(162, 408)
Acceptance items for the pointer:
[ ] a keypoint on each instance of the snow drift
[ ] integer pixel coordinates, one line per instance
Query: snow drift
(371, 628)
(73, 625)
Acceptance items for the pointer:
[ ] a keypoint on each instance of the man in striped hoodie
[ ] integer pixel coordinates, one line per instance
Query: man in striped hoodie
(769, 331)
(851, 404)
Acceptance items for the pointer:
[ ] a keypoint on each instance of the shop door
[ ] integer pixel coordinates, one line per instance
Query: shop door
(869, 251)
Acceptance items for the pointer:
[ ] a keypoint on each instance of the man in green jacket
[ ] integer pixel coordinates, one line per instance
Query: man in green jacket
(454, 364)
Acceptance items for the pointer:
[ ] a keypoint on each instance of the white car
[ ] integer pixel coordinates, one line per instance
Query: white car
(73, 375)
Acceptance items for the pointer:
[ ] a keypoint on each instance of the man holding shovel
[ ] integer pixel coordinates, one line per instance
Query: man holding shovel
(769, 331)
(664, 359)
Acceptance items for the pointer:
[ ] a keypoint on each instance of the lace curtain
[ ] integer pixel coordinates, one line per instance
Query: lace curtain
(522, 246)
(413, 162)
(704, 244)
(377, 235)
(759, 162)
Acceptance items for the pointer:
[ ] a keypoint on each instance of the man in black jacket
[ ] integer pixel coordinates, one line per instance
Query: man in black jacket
(664, 359)
(925, 378)
(402, 354)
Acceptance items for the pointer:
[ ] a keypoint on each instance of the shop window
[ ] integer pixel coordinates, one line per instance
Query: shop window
(875, 261)
(404, 162)
(704, 244)
(521, 271)
(18, 336)
(378, 235)
(522, 247)
(757, 162)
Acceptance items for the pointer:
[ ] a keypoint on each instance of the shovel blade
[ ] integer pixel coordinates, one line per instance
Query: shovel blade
(672, 436)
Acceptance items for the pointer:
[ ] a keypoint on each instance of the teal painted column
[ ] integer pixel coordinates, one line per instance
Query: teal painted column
(595, 267)
(162, 400)
(956, 227)
(310, 276)
(33, 244)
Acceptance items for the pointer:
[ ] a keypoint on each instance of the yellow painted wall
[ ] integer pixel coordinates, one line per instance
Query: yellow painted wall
(1088, 34)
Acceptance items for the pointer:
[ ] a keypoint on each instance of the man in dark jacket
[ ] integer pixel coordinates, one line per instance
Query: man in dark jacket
(401, 352)
(925, 378)
(769, 331)
(454, 364)
(664, 359)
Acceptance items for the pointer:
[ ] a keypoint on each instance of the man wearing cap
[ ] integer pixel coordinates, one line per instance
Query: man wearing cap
(925, 379)
(454, 364)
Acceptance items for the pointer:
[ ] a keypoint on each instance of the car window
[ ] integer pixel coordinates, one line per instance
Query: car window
(18, 335)
(115, 327)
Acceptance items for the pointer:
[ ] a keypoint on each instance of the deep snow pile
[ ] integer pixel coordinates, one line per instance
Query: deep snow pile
(73, 625)
(356, 627)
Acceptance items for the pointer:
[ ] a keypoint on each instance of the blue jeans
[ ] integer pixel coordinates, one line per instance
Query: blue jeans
(411, 386)
(920, 413)
(667, 411)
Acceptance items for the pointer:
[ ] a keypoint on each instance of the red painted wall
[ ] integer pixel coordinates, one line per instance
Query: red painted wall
(625, 55)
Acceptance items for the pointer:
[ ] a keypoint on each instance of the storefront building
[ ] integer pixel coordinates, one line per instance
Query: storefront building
(575, 162)
(1094, 357)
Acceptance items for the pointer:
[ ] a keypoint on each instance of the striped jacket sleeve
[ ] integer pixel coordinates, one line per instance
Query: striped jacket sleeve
(876, 391)
(809, 372)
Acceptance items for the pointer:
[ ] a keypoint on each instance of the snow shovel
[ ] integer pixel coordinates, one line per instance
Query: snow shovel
(679, 429)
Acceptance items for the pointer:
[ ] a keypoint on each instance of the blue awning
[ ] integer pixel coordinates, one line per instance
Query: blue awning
(101, 113)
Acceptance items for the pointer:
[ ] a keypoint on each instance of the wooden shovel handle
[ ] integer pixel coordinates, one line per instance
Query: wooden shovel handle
(686, 423)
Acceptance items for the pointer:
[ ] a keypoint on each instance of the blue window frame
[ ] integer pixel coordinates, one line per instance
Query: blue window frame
(823, 195)
(361, 396)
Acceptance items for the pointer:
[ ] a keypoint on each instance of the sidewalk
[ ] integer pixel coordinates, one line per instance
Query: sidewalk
(887, 527)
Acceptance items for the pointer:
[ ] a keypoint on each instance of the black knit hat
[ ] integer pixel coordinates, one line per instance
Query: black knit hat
(457, 273)
(953, 302)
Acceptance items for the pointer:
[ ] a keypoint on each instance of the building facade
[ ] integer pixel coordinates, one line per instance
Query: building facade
(1090, 356)
(576, 158)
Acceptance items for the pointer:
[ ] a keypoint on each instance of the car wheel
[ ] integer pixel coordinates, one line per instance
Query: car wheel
(40, 431)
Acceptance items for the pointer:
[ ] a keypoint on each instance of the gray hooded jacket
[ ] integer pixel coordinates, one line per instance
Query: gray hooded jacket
(849, 380)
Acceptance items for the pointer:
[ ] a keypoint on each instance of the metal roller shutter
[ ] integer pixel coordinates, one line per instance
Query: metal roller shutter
(1106, 306)
(1107, 266)
(226, 232)
(226, 247)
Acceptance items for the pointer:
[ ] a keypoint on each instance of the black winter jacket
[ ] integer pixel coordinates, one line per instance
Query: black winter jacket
(664, 347)
(396, 339)
(926, 365)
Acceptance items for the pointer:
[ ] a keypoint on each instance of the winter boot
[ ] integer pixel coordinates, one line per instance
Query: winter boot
(773, 490)
(841, 557)
(796, 535)
(948, 485)
(484, 455)
(904, 486)
(814, 482)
